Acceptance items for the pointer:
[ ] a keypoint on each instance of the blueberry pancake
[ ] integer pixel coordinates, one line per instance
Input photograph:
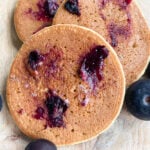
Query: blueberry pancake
(120, 22)
(33, 15)
(66, 85)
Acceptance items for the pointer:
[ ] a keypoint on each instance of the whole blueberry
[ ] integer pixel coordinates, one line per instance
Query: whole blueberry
(41, 144)
(148, 71)
(138, 99)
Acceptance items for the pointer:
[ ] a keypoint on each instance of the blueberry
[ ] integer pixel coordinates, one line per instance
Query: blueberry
(72, 7)
(41, 144)
(92, 65)
(148, 71)
(50, 7)
(128, 1)
(138, 99)
(34, 59)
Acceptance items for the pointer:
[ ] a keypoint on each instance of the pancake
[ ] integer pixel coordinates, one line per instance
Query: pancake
(120, 22)
(33, 15)
(66, 85)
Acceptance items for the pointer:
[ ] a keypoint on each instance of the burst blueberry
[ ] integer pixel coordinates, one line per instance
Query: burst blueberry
(35, 59)
(148, 71)
(128, 1)
(39, 113)
(72, 6)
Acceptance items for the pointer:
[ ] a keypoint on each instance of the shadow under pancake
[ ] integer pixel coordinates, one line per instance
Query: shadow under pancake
(13, 35)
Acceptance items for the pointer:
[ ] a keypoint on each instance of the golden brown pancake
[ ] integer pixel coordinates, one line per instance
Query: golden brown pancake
(33, 15)
(66, 85)
(120, 22)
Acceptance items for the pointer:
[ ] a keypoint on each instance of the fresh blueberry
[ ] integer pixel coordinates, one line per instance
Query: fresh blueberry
(138, 99)
(148, 71)
(1, 103)
(72, 7)
(35, 59)
(41, 144)
(56, 108)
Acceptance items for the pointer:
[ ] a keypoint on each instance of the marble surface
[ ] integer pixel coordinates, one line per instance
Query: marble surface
(127, 133)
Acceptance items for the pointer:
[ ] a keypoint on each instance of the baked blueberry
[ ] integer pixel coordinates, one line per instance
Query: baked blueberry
(92, 65)
(138, 99)
(41, 144)
(1, 103)
(72, 7)
(128, 1)
(115, 31)
(35, 59)
(56, 109)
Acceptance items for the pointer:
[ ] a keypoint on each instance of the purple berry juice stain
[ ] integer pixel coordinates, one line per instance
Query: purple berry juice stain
(53, 111)
(115, 31)
(35, 59)
(20, 111)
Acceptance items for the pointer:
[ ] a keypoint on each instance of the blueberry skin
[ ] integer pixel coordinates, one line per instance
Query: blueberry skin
(41, 144)
(138, 99)
(72, 7)
(148, 71)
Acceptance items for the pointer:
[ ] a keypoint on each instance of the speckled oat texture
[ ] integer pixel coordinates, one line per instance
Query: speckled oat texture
(27, 18)
(122, 25)
(25, 93)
